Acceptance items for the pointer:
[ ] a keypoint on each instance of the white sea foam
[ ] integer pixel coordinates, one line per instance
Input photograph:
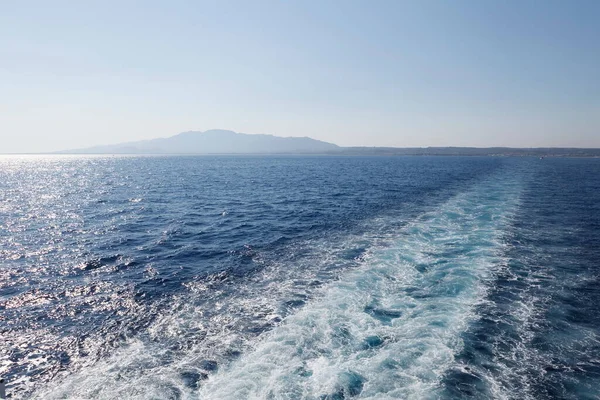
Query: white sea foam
(390, 328)
(386, 328)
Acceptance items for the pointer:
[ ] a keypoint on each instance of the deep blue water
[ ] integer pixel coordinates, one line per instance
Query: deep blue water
(300, 277)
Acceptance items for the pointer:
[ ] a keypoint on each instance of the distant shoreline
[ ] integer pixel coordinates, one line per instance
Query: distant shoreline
(361, 152)
(225, 142)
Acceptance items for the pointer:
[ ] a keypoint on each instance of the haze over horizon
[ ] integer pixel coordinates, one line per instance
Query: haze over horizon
(430, 73)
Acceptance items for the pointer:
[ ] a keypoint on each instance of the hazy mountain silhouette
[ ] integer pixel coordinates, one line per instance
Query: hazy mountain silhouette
(215, 141)
(218, 141)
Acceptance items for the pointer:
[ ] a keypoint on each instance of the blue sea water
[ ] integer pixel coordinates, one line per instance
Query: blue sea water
(300, 277)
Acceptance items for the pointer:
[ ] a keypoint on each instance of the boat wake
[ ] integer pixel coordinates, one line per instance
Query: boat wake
(376, 315)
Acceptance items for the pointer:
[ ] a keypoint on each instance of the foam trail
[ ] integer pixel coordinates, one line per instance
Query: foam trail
(405, 303)
(390, 328)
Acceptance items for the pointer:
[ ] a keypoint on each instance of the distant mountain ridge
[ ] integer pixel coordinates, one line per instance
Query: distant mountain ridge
(215, 141)
(218, 141)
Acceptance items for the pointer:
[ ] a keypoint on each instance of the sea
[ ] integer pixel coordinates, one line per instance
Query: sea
(299, 277)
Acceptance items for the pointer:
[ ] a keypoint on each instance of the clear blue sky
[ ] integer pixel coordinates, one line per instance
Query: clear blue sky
(387, 73)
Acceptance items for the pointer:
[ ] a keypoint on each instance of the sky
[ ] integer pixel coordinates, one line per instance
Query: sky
(518, 73)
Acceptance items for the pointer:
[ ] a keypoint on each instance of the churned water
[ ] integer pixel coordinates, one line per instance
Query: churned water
(299, 277)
